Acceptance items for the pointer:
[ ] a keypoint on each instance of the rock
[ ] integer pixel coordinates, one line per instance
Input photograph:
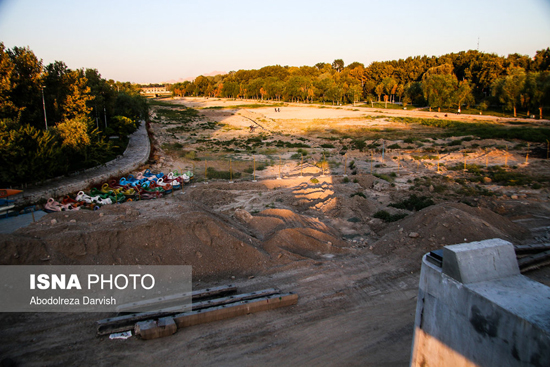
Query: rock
(72, 221)
(414, 235)
(431, 188)
(487, 180)
(243, 216)
(53, 221)
(514, 197)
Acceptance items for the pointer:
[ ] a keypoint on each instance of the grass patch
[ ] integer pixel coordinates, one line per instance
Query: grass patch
(180, 116)
(482, 130)
(222, 175)
(383, 176)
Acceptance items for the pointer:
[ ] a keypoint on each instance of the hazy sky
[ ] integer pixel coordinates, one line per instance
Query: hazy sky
(158, 40)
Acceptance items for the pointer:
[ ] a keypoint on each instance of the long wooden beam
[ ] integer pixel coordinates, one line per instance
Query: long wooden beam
(126, 322)
(173, 298)
(151, 329)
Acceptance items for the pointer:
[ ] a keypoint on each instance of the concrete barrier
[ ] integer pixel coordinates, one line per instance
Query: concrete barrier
(478, 310)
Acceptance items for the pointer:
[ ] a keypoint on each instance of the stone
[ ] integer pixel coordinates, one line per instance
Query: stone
(243, 216)
(414, 235)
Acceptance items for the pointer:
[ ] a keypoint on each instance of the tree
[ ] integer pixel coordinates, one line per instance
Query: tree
(26, 79)
(438, 89)
(74, 132)
(541, 95)
(463, 94)
(338, 65)
(390, 87)
(508, 89)
(74, 105)
(379, 90)
(354, 93)
(8, 109)
(414, 94)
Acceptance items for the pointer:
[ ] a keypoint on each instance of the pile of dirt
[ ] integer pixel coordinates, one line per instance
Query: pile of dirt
(445, 224)
(292, 236)
(157, 232)
(171, 231)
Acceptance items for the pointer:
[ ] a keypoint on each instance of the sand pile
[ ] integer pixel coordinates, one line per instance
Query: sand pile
(158, 232)
(288, 235)
(445, 224)
(171, 231)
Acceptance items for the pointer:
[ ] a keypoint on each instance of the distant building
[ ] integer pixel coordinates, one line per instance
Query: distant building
(156, 91)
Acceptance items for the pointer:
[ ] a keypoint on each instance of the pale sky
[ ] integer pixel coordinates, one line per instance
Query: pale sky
(159, 40)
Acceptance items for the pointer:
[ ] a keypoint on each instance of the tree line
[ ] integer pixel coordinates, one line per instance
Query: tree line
(468, 78)
(54, 120)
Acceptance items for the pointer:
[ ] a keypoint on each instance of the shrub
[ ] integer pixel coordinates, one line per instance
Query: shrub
(387, 217)
(414, 203)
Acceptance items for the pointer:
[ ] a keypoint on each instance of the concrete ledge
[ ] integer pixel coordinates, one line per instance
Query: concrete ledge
(480, 261)
(496, 322)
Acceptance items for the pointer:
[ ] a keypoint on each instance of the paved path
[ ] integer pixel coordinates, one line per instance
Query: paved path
(136, 154)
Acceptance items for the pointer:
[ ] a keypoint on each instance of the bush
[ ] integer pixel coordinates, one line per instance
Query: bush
(414, 203)
(387, 217)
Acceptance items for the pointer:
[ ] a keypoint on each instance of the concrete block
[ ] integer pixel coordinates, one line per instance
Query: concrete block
(480, 261)
(152, 329)
(495, 322)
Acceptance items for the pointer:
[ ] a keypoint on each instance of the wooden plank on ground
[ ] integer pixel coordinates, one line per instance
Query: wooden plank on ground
(533, 259)
(223, 312)
(532, 248)
(126, 322)
(167, 301)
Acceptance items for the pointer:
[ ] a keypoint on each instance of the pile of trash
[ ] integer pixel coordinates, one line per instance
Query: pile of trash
(144, 186)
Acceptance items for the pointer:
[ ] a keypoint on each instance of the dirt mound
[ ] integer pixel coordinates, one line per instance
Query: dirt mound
(171, 231)
(286, 233)
(212, 196)
(148, 233)
(317, 197)
(445, 224)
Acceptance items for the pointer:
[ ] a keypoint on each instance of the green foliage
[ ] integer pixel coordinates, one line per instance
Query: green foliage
(74, 102)
(383, 176)
(222, 175)
(508, 178)
(313, 180)
(123, 125)
(358, 194)
(179, 116)
(414, 203)
(481, 130)
(387, 217)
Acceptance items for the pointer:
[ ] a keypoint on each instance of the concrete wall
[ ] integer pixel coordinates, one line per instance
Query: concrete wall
(478, 310)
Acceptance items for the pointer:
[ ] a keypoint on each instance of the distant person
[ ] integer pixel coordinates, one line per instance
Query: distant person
(459, 110)
(275, 109)
(278, 109)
